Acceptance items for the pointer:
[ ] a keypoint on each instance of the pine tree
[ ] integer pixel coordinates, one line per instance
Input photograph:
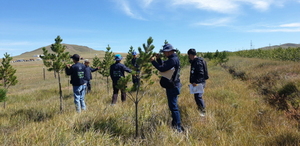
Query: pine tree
(3, 94)
(105, 64)
(7, 74)
(57, 62)
(129, 58)
(146, 71)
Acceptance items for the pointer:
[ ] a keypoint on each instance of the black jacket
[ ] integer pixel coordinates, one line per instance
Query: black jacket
(89, 71)
(134, 64)
(197, 70)
(78, 74)
(173, 61)
(117, 70)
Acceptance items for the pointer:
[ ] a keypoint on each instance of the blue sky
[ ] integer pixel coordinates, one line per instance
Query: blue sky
(206, 25)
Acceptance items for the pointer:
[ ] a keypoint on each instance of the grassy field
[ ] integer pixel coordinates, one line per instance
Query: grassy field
(237, 112)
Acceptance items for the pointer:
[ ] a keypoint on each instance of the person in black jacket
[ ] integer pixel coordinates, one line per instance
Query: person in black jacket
(198, 75)
(117, 70)
(78, 80)
(136, 67)
(89, 77)
(172, 86)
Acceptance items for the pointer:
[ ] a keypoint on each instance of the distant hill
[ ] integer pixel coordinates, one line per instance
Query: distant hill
(287, 45)
(73, 49)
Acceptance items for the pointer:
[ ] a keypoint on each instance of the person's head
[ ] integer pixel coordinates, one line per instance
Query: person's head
(192, 53)
(168, 50)
(134, 54)
(118, 58)
(75, 58)
(86, 62)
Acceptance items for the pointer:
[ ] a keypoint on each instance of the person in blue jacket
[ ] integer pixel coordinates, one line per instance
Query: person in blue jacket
(198, 75)
(117, 70)
(78, 81)
(172, 86)
(89, 77)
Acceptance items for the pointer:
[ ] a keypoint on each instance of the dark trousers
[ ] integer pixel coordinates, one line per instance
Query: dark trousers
(89, 88)
(115, 94)
(172, 95)
(199, 100)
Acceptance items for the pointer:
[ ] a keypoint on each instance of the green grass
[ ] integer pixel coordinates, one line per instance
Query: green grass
(236, 113)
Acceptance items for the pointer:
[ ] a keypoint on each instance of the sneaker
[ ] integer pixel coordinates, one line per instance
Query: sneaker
(180, 129)
(202, 113)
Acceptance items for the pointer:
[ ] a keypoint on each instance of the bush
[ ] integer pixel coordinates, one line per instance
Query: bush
(2, 94)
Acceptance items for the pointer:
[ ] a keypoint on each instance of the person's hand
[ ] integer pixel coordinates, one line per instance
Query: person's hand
(194, 84)
(69, 65)
(157, 56)
(152, 58)
(98, 67)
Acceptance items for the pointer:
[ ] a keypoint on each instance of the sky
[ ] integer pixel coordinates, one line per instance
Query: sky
(206, 25)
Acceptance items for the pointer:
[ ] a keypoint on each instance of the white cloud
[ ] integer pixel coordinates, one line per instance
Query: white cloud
(215, 22)
(222, 6)
(125, 7)
(229, 6)
(276, 30)
(146, 3)
(290, 25)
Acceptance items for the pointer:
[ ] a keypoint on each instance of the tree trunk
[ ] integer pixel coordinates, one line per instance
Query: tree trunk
(54, 74)
(4, 104)
(107, 85)
(60, 94)
(136, 119)
(44, 73)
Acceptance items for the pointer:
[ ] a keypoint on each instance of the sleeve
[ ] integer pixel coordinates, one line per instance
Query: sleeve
(68, 70)
(159, 61)
(167, 65)
(93, 69)
(111, 71)
(125, 68)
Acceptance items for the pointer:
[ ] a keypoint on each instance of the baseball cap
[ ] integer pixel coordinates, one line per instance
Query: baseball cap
(86, 60)
(134, 53)
(75, 57)
(192, 51)
(118, 57)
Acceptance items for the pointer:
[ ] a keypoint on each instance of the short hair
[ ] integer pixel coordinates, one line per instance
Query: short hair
(192, 51)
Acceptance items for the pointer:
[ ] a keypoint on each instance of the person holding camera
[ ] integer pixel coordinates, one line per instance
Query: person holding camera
(171, 85)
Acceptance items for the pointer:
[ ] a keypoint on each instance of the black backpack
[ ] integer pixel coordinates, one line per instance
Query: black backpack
(204, 68)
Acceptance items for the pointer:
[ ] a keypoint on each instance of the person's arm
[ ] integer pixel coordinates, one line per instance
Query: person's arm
(111, 72)
(94, 69)
(165, 66)
(68, 69)
(125, 68)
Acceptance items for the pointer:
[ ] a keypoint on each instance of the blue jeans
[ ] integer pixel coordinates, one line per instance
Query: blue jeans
(79, 93)
(172, 94)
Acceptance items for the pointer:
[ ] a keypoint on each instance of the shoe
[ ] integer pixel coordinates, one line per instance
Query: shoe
(202, 113)
(180, 129)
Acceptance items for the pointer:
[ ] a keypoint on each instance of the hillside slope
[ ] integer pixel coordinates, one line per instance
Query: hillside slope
(81, 50)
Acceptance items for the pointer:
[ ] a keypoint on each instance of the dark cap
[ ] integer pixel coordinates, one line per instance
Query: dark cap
(75, 57)
(192, 51)
(167, 48)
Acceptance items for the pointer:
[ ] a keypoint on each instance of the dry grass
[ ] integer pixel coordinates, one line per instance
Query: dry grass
(236, 113)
